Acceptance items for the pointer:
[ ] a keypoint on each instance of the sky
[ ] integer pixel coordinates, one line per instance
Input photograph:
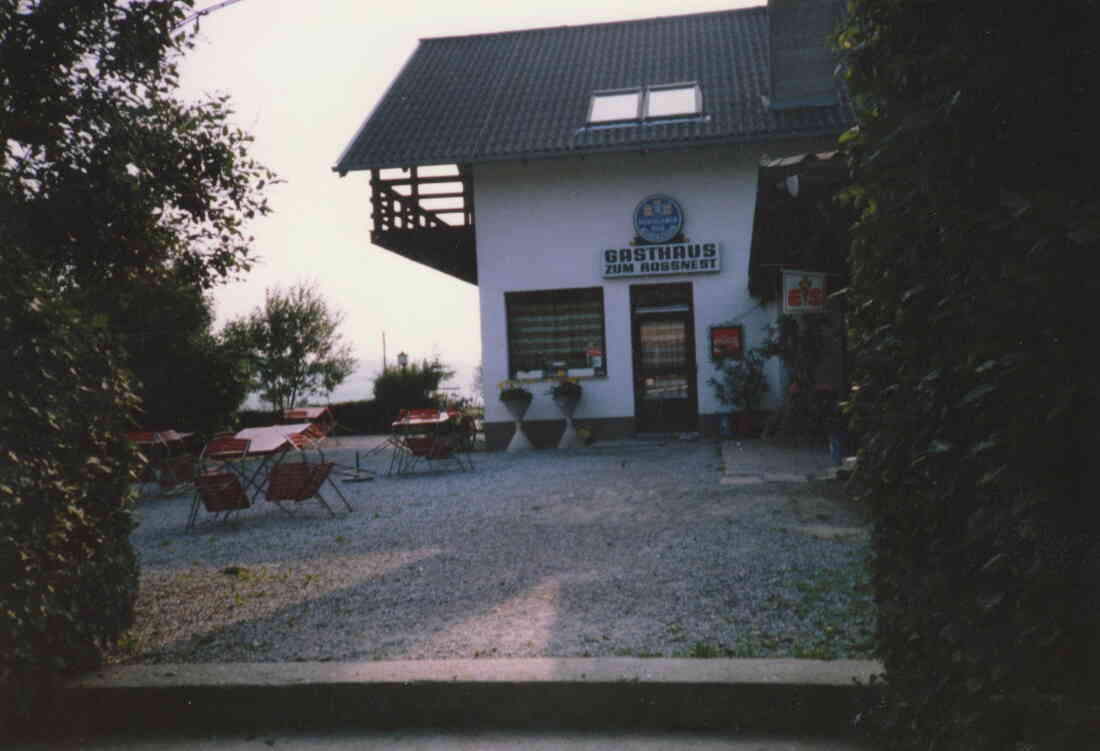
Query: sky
(303, 75)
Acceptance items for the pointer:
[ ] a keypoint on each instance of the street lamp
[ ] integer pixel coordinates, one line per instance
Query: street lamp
(402, 359)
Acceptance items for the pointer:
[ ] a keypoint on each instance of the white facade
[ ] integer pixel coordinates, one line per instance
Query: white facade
(543, 225)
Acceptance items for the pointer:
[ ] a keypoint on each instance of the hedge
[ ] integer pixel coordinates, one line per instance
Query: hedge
(69, 572)
(974, 333)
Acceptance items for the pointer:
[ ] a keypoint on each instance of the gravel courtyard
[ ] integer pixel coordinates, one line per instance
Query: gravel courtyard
(632, 548)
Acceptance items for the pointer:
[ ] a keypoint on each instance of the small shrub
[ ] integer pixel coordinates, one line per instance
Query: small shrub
(705, 651)
(411, 387)
(743, 382)
(359, 417)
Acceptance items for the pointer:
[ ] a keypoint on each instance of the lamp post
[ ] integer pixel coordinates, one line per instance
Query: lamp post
(402, 360)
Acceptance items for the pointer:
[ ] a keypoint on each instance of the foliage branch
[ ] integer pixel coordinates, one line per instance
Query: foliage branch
(188, 377)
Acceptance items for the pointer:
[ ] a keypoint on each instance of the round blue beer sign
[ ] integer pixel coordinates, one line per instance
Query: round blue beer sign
(658, 219)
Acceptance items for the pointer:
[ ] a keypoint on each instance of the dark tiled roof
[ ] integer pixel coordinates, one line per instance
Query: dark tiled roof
(525, 94)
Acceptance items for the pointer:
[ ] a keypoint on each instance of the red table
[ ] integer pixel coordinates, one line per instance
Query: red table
(263, 444)
(169, 463)
(247, 455)
(272, 439)
(427, 434)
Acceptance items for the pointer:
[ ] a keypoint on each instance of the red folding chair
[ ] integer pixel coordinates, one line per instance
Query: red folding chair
(177, 474)
(221, 478)
(219, 493)
(295, 482)
(321, 420)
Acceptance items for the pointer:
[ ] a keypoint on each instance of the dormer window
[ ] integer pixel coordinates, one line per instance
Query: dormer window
(673, 101)
(613, 106)
(646, 103)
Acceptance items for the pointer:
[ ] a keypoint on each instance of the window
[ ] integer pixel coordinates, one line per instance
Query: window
(671, 101)
(555, 330)
(611, 106)
(649, 103)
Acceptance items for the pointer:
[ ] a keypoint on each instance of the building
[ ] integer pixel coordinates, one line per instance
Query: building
(599, 184)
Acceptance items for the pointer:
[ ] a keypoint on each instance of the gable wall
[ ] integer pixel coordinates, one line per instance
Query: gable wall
(543, 225)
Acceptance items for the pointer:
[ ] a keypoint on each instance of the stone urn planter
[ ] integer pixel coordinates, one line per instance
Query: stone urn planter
(517, 401)
(567, 395)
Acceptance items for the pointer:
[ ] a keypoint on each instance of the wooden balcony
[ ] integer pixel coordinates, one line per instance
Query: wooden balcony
(427, 216)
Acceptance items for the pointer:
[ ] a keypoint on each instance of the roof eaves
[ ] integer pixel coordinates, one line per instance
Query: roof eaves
(650, 146)
(340, 167)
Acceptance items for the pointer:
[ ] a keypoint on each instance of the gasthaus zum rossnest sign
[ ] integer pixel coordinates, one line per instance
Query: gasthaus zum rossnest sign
(601, 189)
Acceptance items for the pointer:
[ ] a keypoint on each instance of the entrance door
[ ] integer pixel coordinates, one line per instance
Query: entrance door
(665, 398)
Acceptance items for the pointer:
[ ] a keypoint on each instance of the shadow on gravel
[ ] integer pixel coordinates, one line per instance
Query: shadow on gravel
(630, 550)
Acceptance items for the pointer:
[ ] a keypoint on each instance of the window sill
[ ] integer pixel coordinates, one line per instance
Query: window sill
(580, 374)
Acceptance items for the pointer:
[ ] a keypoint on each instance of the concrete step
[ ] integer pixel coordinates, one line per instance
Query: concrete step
(767, 697)
(459, 741)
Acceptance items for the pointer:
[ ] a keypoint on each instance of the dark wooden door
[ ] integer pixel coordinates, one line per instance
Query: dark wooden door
(665, 398)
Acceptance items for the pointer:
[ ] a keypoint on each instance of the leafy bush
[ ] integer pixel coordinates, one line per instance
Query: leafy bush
(359, 417)
(807, 406)
(973, 323)
(743, 381)
(411, 387)
(70, 574)
(352, 418)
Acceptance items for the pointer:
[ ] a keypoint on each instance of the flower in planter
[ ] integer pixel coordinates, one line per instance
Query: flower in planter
(510, 391)
(565, 388)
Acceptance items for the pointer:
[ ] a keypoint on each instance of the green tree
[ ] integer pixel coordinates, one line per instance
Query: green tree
(971, 312)
(292, 345)
(187, 377)
(108, 183)
(411, 387)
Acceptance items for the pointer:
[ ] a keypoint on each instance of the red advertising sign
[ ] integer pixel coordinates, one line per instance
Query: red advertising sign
(726, 342)
(803, 292)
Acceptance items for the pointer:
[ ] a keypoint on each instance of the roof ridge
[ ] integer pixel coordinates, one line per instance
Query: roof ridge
(762, 8)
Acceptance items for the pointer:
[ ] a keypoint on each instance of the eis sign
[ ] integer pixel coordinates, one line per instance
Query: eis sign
(803, 292)
(659, 244)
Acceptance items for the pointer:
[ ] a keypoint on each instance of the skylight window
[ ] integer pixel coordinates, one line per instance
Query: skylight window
(672, 101)
(615, 105)
(649, 103)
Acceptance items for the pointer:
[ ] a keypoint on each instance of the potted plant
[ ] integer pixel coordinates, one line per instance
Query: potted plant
(566, 393)
(515, 393)
(516, 400)
(741, 387)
